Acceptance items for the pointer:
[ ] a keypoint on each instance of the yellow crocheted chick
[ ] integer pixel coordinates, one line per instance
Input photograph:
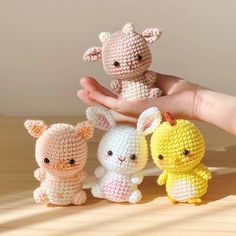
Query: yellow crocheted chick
(177, 148)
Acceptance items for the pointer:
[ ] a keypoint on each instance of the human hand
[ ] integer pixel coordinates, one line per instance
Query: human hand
(180, 99)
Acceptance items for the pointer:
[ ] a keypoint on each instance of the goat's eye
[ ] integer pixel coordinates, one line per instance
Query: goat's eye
(116, 63)
(185, 152)
(160, 157)
(46, 160)
(71, 161)
(133, 157)
(139, 57)
(110, 153)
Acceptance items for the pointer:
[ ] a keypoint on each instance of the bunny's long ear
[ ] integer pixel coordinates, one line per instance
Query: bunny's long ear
(92, 54)
(101, 117)
(149, 120)
(85, 129)
(35, 127)
(151, 34)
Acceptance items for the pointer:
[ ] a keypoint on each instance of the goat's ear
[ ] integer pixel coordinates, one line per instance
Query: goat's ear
(35, 127)
(151, 34)
(149, 120)
(101, 117)
(92, 54)
(84, 129)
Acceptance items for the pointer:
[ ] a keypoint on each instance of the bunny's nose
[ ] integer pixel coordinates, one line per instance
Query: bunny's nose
(121, 158)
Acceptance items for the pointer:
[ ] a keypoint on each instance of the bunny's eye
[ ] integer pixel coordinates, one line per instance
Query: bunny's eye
(160, 157)
(46, 160)
(185, 152)
(110, 153)
(139, 57)
(133, 157)
(71, 161)
(116, 64)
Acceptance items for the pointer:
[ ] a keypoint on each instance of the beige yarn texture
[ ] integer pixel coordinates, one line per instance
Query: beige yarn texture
(61, 153)
(126, 57)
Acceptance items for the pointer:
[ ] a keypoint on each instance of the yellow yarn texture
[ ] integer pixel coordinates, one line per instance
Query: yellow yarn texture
(178, 150)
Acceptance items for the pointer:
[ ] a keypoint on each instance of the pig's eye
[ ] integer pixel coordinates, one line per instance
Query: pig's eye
(116, 64)
(139, 57)
(46, 160)
(71, 161)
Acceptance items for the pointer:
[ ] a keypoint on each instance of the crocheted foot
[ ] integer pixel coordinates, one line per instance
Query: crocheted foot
(96, 191)
(135, 196)
(79, 198)
(195, 201)
(39, 195)
(172, 200)
(155, 93)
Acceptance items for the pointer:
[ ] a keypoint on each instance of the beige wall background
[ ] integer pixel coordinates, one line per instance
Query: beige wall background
(42, 43)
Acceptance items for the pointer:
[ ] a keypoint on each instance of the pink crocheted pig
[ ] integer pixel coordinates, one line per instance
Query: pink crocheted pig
(126, 57)
(61, 153)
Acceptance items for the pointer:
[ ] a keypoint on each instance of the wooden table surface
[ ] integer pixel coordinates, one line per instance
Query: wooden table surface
(154, 215)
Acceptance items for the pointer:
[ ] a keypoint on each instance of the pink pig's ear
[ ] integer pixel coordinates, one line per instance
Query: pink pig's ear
(149, 120)
(101, 117)
(35, 127)
(151, 34)
(85, 129)
(92, 54)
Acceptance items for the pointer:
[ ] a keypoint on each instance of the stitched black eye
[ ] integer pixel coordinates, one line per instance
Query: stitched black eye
(116, 64)
(46, 160)
(139, 57)
(71, 161)
(186, 152)
(110, 153)
(133, 157)
(160, 157)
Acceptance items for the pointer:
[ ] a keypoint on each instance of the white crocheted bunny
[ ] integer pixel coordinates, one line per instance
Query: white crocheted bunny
(123, 153)
(126, 57)
(61, 153)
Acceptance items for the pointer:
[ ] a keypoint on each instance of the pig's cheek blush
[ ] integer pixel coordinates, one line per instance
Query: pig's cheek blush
(106, 156)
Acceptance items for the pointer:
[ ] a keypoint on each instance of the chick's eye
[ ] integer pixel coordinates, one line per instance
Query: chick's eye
(71, 161)
(160, 157)
(139, 57)
(46, 160)
(110, 153)
(185, 152)
(133, 157)
(116, 63)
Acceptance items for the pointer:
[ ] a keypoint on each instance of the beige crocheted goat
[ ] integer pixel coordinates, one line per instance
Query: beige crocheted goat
(126, 57)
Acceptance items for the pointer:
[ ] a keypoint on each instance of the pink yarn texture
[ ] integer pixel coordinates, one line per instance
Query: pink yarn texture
(126, 57)
(61, 153)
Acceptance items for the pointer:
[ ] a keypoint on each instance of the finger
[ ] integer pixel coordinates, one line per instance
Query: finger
(123, 119)
(91, 84)
(167, 83)
(130, 108)
(84, 96)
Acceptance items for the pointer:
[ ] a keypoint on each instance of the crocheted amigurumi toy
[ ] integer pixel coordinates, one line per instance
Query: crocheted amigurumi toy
(61, 153)
(126, 57)
(177, 147)
(123, 153)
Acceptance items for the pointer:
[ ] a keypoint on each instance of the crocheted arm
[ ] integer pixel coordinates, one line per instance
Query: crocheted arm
(151, 77)
(137, 179)
(162, 178)
(39, 174)
(100, 171)
(82, 175)
(116, 86)
(203, 171)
